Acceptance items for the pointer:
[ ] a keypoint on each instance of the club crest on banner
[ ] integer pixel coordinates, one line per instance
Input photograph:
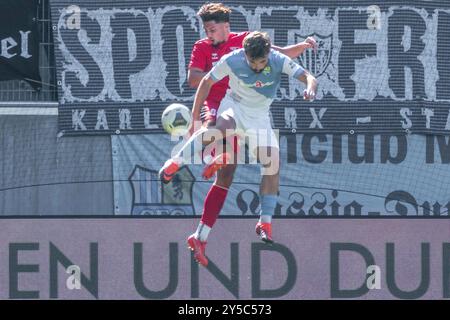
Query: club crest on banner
(317, 61)
(151, 197)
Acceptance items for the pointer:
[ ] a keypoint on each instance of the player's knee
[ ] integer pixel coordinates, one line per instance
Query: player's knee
(225, 125)
(210, 124)
(270, 162)
(225, 175)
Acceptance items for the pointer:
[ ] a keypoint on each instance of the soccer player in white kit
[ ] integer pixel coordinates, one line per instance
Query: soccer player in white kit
(254, 77)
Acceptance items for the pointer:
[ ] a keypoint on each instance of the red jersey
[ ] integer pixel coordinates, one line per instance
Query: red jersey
(204, 56)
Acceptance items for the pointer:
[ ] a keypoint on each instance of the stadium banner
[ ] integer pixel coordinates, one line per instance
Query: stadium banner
(381, 68)
(148, 259)
(320, 175)
(19, 36)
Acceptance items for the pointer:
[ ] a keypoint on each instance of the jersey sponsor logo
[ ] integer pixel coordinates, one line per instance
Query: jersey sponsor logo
(257, 84)
(214, 56)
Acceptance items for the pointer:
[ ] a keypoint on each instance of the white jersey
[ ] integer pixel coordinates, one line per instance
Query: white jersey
(254, 91)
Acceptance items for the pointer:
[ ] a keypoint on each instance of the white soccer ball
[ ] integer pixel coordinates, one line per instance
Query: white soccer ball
(176, 119)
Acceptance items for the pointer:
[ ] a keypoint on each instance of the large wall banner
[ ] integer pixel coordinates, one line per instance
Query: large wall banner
(148, 259)
(320, 175)
(380, 68)
(19, 36)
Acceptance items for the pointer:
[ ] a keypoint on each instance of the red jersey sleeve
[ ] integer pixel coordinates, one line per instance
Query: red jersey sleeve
(198, 57)
(242, 35)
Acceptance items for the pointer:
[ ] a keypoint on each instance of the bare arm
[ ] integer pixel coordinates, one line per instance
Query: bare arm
(295, 50)
(200, 96)
(195, 75)
(311, 85)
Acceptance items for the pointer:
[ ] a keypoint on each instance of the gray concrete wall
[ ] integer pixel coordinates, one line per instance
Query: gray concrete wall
(41, 174)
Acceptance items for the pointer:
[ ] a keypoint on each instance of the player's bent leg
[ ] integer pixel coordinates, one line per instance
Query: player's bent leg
(225, 176)
(212, 206)
(264, 226)
(216, 196)
(226, 126)
(268, 191)
(205, 136)
(172, 165)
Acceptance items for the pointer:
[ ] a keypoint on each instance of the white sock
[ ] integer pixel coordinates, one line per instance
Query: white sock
(202, 232)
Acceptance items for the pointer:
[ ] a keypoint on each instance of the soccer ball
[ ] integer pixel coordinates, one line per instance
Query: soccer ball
(176, 119)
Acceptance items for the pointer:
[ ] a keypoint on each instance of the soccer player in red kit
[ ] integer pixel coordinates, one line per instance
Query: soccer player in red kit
(205, 54)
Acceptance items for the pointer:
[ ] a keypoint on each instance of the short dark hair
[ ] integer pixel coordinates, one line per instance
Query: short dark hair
(257, 44)
(214, 11)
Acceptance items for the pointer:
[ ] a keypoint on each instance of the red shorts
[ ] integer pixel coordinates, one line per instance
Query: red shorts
(208, 113)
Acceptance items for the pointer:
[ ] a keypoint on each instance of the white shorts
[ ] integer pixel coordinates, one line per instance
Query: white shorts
(255, 130)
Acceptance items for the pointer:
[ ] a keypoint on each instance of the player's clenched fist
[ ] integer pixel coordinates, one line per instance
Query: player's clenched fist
(309, 94)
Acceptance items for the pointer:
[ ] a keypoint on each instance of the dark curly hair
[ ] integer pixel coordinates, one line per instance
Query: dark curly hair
(257, 44)
(214, 11)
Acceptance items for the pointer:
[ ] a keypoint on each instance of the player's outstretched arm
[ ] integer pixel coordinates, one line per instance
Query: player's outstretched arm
(195, 75)
(311, 85)
(200, 96)
(297, 49)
